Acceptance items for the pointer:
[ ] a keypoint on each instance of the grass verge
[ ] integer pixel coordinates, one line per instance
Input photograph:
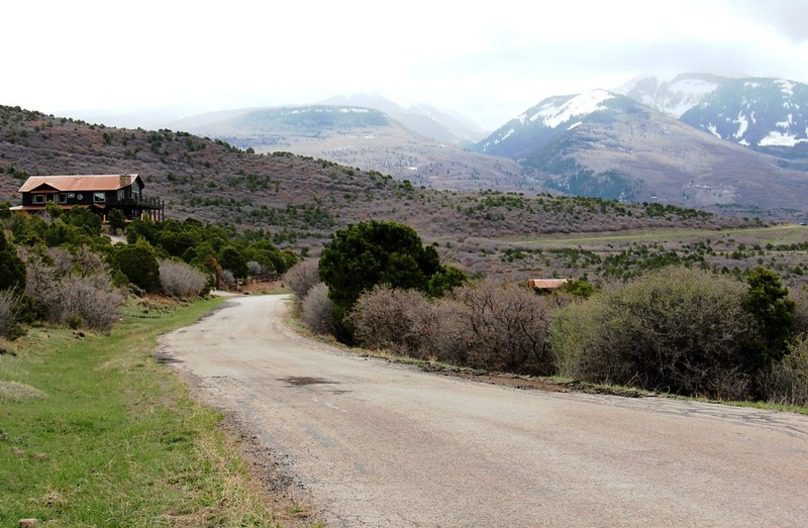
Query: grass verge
(97, 433)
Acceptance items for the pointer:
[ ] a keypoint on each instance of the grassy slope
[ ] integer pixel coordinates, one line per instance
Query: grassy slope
(117, 441)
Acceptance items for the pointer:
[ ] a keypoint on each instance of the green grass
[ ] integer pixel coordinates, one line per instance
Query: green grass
(116, 440)
(779, 234)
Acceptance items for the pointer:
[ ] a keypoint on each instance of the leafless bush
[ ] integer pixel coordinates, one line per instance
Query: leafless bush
(77, 288)
(504, 327)
(41, 280)
(800, 298)
(181, 280)
(228, 279)
(318, 310)
(88, 263)
(91, 300)
(9, 311)
(254, 268)
(787, 380)
(302, 277)
(62, 260)
(402, 321)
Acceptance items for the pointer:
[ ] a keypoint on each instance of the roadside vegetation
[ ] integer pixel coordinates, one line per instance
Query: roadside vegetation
(94, 432)
(677, 328)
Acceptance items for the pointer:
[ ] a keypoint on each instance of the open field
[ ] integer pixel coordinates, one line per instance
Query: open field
(618, 255)
(95, 432)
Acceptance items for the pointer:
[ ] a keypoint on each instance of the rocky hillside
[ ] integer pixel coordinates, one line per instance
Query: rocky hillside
(608, 145)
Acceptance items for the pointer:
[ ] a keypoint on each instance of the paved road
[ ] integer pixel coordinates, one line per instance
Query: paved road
(381, 445)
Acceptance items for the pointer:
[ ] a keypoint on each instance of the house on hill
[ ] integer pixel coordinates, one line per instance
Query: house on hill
(98, 193)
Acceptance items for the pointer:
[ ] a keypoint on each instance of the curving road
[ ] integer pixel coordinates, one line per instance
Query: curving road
(382, 445)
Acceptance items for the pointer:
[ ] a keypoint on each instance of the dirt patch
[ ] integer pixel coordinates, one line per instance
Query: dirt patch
(14, 391)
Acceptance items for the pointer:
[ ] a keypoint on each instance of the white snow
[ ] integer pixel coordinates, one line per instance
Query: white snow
(743, 125)
(779, 139)
(575, 125)
(505, 136)
(751, 84)
(552, 115)
(684, 94)
(711, 128)
(787, 87)
(743, 142)
(752, 117)
(785, 124)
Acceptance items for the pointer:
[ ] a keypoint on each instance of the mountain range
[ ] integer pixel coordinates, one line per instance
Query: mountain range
(698, 140)
(370, 138)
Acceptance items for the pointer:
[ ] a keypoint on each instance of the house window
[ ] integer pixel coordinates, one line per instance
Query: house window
(39, 198)
(99, 197)
(80, 197)
(61, 198)
(121, 194)
(71, 195)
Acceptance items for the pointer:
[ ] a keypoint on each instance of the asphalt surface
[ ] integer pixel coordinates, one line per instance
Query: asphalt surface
(375, 444)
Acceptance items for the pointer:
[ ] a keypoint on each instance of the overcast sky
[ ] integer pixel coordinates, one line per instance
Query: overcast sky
(488, 60)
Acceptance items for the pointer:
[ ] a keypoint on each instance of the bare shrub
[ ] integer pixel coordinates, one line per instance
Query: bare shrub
(787, 380)
(77, 289)
(402, 321)
(800, 298)
(302, 277)
(9, 311)
(504, 327)
(42, 281)
(180, 280)
(676, 330)
(254, 268)
(91, 300)
(317, 310)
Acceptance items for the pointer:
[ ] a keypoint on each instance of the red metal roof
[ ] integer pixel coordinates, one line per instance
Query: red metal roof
(100, 182)
(546, 284)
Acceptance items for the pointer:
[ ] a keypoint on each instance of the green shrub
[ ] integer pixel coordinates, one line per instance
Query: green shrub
(768, 302)
(233, 260)
(675, 330)
(139, 263)
(364, 255)
(12, 270)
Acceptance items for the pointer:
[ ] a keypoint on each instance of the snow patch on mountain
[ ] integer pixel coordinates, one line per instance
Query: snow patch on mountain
(552, 114)
(743, 125)
(780, 139)
(787, 87)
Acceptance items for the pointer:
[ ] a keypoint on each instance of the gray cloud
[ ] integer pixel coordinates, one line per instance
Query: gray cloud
(788, 17)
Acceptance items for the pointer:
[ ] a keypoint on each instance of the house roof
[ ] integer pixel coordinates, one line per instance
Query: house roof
(546, 284)
(95, 182)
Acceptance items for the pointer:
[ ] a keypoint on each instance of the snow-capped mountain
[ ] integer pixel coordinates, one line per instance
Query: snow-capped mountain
(550, 119)
(755, 112)
(674, 96)
(763, 113)
(604, 144)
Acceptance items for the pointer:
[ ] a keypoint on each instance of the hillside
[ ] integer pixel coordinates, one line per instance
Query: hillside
(301, 201)
(366, 138)
(425, 120)
(608, 145)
